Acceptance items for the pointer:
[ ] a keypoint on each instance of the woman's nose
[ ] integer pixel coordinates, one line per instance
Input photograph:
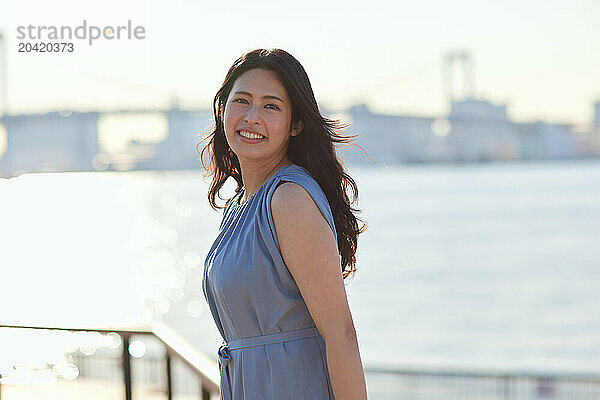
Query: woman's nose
(252, 114)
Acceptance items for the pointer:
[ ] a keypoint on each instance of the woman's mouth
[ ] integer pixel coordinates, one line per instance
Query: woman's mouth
(250, 137)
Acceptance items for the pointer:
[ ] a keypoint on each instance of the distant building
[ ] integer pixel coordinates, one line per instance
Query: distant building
(594, 139)
(388, 138)
(178, 150)
(49, 142)
(541, 140)
(480, 132)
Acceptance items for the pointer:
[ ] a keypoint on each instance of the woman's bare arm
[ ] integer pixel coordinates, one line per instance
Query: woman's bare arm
(310, 252)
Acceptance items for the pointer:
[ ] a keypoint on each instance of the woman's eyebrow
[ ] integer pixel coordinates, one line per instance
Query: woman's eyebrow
(268, 96)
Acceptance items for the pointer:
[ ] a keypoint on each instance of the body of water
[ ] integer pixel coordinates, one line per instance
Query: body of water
(467, 266)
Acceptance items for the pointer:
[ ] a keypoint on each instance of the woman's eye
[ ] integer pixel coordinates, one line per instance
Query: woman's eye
(239, 100)
(272, 106)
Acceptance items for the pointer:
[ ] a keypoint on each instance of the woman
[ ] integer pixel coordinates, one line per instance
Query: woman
(273, 278)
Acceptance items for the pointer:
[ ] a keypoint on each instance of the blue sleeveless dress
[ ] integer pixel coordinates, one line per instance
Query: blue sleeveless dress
(271, 348)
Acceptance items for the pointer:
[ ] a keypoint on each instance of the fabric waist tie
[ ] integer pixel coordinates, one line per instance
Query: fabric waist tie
(235, 344)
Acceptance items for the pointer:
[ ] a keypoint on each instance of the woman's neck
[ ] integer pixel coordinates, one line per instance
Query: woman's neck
(255, 175)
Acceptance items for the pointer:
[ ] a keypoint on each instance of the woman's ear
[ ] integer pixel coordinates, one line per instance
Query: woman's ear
(297, 128)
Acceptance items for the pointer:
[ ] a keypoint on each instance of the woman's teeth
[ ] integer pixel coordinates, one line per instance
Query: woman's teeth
(250, 135)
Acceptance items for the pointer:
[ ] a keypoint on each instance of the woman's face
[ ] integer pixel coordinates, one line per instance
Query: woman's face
(258, 104)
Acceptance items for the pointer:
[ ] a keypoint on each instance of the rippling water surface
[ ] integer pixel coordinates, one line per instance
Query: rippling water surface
(494, 266)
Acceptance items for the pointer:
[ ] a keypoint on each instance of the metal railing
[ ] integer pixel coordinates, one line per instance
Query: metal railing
(434, 384)
(203, 368)
(383, 383)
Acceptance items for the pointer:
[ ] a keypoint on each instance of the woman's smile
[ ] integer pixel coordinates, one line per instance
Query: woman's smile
(250, 137)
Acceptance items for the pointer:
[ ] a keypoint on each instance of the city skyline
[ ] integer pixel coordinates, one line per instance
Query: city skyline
(477, 131)
(534, 57)
(117, 129)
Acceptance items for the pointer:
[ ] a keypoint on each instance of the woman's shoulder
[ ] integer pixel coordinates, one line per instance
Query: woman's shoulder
(303, 179)
(303, 190)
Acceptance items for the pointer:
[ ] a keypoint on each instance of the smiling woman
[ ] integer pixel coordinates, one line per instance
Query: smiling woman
(273, 277)
(258, 112)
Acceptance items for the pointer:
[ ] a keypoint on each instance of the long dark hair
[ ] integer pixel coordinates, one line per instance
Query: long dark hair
(312, 149)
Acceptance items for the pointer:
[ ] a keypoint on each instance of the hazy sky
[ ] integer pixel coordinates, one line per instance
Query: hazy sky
(541, 58)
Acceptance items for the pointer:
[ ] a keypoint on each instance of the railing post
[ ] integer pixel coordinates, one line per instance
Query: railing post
(126, 362)
(204, 393)
(169, 377)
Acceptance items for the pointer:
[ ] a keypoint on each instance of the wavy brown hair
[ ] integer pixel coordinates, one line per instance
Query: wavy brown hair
(312, 149)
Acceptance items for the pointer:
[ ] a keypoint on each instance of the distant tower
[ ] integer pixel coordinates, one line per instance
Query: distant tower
(463, 57)
(597, 117)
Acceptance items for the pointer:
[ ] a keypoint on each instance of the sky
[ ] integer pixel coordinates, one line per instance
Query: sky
(540, 58)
